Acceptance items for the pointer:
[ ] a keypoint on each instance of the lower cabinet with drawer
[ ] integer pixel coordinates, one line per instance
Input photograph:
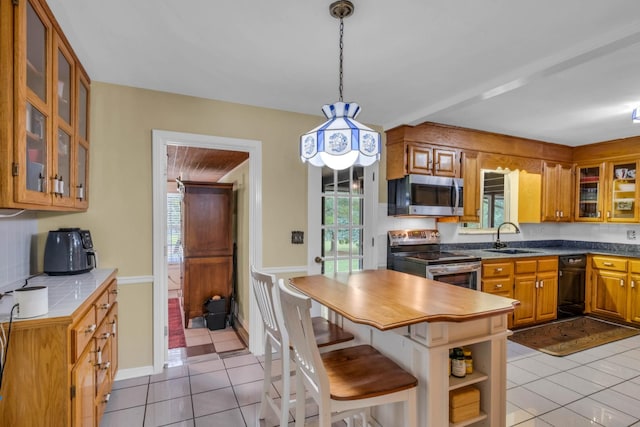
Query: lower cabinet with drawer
(612, 285)
(531, 280)
(497, 279)
(536, 287)
(60, 369)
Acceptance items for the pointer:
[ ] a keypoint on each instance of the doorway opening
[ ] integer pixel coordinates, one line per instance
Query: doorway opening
(162, 142)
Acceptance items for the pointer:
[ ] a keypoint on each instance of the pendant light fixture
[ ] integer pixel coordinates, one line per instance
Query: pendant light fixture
(341, 141)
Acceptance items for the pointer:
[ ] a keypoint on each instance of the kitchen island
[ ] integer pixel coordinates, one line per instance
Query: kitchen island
(416, 321)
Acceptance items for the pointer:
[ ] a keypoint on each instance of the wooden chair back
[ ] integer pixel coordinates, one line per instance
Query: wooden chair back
(264, 287)
(296, 311)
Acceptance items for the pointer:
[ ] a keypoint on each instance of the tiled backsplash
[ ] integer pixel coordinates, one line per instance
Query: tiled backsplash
(16, 235)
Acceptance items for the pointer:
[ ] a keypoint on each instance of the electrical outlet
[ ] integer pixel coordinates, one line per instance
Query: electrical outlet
(631, 234)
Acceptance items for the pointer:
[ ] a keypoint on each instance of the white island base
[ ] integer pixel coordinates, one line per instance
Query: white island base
(423, 349)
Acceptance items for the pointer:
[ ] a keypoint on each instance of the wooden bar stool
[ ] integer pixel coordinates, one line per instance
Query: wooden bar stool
(328, 335)
(343, 382)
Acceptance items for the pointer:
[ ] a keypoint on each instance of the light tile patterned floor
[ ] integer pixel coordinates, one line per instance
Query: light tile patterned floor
(598, 387)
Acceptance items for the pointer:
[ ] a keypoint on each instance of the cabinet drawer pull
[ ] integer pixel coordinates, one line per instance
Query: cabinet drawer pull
(106, 398)
(542, 283)
(633, 283)
(608, 264)
(91, 329)
(104, 306)
(105, 336)
(498, 270)
(105, 366)
(113, 328)
(99, 357)
(622, 283)
(498, 286)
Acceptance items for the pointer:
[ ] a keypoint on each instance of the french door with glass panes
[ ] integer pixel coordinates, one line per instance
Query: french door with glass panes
(342, 214)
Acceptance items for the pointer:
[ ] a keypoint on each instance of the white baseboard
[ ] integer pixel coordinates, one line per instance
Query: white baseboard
(125, 374)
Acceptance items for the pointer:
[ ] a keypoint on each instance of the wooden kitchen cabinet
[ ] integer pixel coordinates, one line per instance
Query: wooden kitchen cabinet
(557, 192)
(44, 98)
(426, 159)
(60, 368)
(536, 287)
(404, 158)
(471, 194)
(622, 193)
(608, 280)
(606, 192)
(633, 305)
(497, 279)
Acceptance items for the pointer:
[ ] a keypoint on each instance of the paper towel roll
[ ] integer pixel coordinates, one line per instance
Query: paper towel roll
(32, 301)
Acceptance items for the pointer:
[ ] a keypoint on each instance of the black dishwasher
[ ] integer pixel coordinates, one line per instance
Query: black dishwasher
(571, 284)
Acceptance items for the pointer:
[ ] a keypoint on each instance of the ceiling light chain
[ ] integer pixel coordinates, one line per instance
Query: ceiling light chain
(341, 141)
(341, 49)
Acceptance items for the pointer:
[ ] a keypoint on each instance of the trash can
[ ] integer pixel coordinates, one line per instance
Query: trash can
(215, 313)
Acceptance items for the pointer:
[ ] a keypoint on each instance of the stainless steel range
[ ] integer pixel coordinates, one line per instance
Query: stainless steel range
(418, 252)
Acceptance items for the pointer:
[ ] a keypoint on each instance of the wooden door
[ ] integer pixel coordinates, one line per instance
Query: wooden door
(634, 297)
(83, 379)
(547, 296)
(564, 192)
(609, 293)
(420, 159)
(207, 214)
(471, 193)
(444, 162)
(204, 278)
(524, 290)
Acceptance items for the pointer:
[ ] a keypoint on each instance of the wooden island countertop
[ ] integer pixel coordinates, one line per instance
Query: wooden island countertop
(387, 299)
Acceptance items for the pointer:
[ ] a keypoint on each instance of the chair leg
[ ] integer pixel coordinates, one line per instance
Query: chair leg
(266, 384)
(286, 386)
(300, 400)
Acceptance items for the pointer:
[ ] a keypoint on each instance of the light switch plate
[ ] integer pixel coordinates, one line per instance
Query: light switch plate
(297, 237)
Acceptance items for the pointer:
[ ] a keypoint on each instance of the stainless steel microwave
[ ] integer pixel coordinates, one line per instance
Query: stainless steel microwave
(425, 195)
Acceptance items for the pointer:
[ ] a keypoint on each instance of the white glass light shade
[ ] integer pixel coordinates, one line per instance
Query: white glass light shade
(341, 141)
(635, 116)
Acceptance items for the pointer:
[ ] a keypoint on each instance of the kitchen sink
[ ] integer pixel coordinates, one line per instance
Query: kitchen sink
(510, 251)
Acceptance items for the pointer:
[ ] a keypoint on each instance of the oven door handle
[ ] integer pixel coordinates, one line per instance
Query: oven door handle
(453, 268)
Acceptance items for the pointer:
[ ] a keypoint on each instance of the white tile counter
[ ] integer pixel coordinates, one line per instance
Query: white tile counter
(66, 293)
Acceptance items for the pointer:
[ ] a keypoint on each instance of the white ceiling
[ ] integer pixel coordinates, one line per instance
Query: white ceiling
(559, 71)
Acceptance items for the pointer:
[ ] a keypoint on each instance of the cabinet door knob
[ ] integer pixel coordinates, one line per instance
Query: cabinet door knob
(106, 398)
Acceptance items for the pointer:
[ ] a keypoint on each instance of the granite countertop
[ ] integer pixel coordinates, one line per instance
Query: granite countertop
(488, 253)
(66, 293)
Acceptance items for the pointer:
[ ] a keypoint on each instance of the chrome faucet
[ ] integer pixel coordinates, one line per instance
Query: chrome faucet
(498, 244)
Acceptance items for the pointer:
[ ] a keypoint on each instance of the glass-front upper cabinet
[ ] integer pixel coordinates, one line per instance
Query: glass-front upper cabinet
(61, 178)
(49, 139)
(36, 107)
(623, 192)
(589, 192)
(81, 183)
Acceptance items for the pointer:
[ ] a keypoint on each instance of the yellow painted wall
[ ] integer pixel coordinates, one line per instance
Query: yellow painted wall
(120, 212)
